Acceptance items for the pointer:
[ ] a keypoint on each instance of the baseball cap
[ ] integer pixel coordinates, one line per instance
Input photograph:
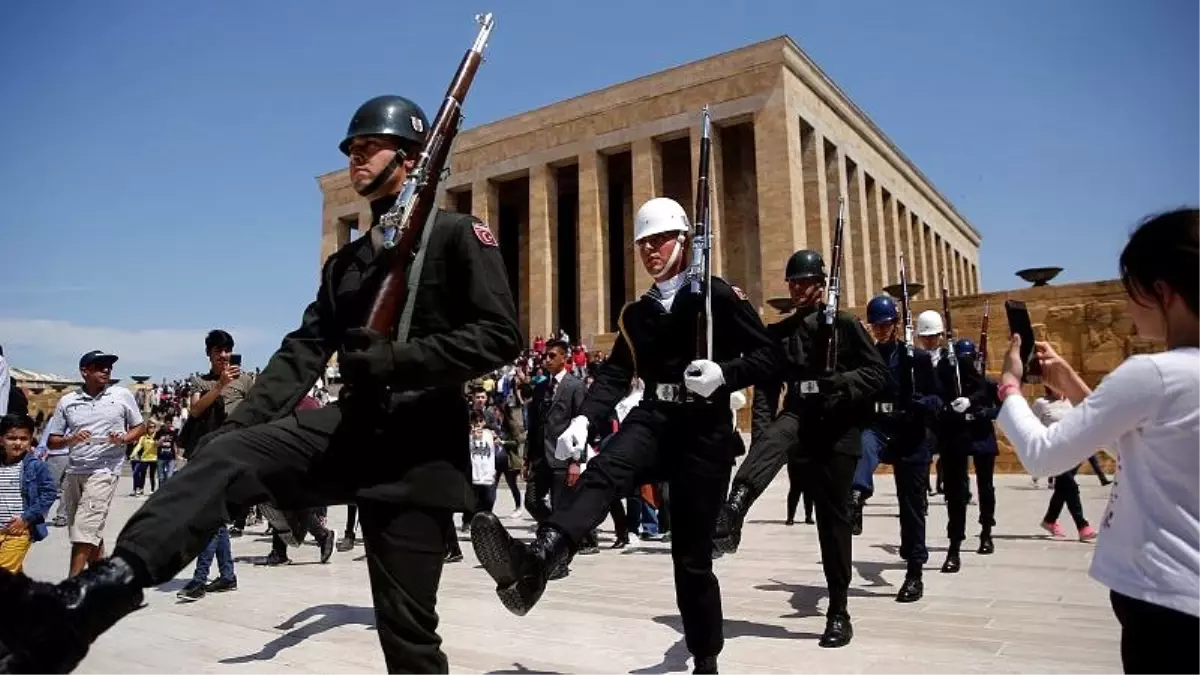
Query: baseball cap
(96, 357)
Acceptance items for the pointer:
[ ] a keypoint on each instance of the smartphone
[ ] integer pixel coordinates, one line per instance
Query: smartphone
(1019, 323)
(236, 359)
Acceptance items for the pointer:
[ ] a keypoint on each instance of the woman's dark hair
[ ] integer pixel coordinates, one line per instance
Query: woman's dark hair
(16, 422)
(1164, 248)
(217, 339)
(476, 418)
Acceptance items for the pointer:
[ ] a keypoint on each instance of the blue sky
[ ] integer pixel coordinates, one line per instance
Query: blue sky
(160, 158)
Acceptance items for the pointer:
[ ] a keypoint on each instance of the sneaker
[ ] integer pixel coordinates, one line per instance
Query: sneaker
(1054, 529)
(60, 521)
(220, 585)
(454, 557)
(346, 544)
(192, 591)
(235, 532)
(517, 513)
(1087, 533)
(274, 559)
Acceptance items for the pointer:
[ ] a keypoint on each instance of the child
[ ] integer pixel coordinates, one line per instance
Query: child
(27, 491)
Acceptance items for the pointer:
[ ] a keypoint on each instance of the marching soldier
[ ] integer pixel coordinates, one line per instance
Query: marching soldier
(416, 470)
(899, 435)
(681, 432)
(966, 433)
(821, 424)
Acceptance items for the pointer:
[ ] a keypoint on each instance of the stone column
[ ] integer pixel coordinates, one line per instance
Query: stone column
(543, 234)
(485, 204)
(716, 189)
(593, 246)
(858, 231)
(647, 184)
(883, 266)
(779, 179)
(851, 228)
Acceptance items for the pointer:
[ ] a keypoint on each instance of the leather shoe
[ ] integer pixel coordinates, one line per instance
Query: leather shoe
(911, 590)
(705, 664)
(952, 564)
(856, 512)
(520, 570)
(59, 622)
(727, 535)
(838, 632)
(986, 547)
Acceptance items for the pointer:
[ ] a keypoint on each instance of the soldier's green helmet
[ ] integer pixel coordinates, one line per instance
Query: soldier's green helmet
(388, 115)
(805, 264)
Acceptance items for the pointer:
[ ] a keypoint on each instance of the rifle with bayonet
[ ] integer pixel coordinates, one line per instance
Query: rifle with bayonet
(906, 317)
(404, 223)
(983, 337)
(700, 267)
(950, 355)
(833, 293)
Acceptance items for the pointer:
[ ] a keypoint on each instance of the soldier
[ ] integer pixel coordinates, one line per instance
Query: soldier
(899, 435)
(681, 432)
(821, 423)
(402, 456)
(965, 433)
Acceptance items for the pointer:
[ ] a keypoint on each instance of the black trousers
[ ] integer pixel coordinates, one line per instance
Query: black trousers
(540, 485)
(312, 525)
(1066, 492)
(911, 479)
(296, 462)
(829, 474)
(689, 447)
(796, 489)
(958, 488)
(1155, 639)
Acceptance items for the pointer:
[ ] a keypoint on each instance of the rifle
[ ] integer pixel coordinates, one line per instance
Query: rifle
(833, 290)
(906, 317)
(700, 272)
(950, 356)
(983, 332)
(405, 222)
(700, 268)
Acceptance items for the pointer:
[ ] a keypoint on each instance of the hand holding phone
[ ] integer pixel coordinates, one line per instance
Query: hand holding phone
(1019, 323)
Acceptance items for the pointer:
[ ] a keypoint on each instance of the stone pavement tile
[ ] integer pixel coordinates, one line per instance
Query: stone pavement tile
(1021, 610)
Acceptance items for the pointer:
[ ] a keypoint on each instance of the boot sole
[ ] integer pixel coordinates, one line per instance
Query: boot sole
(491, 543)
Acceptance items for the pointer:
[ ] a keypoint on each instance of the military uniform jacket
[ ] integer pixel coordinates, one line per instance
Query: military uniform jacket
(833, 419)
(971, 432)
(657, 345)
(464, 325)
(911, 389)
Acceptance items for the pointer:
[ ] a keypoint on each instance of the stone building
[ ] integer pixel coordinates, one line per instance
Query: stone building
(559, 186)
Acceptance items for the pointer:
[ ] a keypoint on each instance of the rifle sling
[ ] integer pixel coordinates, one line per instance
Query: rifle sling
(414, 272)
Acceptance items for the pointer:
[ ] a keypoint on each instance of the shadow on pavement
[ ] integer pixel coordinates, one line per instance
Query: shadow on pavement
(675, 658)
(327, 617)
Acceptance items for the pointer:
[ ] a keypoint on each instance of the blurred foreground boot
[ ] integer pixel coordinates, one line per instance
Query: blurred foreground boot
(47, 628)
(727, 535)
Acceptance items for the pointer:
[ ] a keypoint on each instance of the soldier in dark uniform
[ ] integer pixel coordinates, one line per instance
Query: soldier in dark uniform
(668, 436)
(899, 435)
(396, 443)
(965, 432)
(820, 425)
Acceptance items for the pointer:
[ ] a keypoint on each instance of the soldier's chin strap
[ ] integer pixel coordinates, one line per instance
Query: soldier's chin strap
(668, 270)
(384, 175)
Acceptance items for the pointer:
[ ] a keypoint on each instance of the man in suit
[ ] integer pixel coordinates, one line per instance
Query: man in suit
(556, 402)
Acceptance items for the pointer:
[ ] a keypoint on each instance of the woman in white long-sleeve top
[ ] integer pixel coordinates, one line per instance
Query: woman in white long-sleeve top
(1148, 410)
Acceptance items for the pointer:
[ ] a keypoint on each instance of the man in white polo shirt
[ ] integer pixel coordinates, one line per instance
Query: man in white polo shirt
(96, 422)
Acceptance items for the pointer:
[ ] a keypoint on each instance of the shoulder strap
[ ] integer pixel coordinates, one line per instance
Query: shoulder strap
(625, 334)
(414, 273)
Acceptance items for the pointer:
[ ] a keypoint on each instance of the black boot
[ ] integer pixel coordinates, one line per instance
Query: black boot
(986, 547)
(838, 631)
(705, 664)
(913, 588)
(856, 511)
(57, 623)
(952, 564)
(727, 535)
(519, 570)
(347, 543)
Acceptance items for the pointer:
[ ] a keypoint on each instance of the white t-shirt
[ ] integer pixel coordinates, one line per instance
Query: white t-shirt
(113, 410)
(483, 458)
(1147, 410)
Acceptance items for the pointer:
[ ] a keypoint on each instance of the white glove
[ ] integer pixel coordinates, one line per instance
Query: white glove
(960, 404)
(573, 441)
(703, 377)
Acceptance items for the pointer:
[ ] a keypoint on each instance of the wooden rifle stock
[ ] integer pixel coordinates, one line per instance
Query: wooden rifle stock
(418, 197)
(701, 269)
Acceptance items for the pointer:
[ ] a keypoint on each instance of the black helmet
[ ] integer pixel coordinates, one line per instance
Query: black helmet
(387, 116)
(805, 264)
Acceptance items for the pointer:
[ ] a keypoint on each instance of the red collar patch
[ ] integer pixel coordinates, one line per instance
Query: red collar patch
(484, 235)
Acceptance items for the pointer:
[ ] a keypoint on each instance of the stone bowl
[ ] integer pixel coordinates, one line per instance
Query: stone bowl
(781, 305)
(1039, 276)
(914, 288)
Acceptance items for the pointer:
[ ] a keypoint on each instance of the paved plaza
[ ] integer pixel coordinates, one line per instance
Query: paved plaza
(1030, 607)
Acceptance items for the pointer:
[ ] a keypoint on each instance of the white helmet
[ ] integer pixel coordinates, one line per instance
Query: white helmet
(659, 215)
(929, 322)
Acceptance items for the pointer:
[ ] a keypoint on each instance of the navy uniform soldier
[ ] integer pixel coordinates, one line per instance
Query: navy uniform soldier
(899, 434)
(965, 434)
(667, 437)
(820, 426)
(396, 443)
